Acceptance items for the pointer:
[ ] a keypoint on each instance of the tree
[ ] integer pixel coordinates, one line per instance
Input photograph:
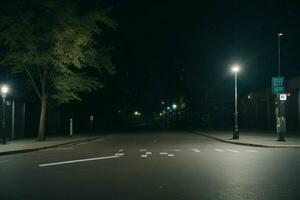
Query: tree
(55, 44)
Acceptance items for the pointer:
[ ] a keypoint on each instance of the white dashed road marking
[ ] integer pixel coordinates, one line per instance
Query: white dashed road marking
(143, 150)
(196, 150)
(144, 156)
(148, 153)
(171, 155)
(163, 153)
(76, 161)
(231, 150)
(119, 154)
(220, 150)
(177, 150)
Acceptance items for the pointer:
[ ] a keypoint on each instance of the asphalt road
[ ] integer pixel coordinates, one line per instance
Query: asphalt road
(154, 166)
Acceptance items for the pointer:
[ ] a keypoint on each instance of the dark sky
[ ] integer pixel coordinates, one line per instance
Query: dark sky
(156, 39)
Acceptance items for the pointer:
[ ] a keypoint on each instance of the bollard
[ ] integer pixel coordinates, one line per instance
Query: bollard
(71, 127)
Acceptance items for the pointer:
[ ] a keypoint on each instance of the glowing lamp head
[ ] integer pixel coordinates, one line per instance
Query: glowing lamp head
(235, 68)
(4, 89)
(280, 34)
(174, 106)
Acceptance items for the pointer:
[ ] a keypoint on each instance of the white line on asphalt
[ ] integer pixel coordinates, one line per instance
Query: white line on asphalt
(163, 153)
(148, 153)
(76, 161)
(177, 150)
(196, 150)
(119, 154)
(170, 155)
(142, 150)
(252, 151)
(121, 150)
(231, 150)
(219, 150)
(144, 156)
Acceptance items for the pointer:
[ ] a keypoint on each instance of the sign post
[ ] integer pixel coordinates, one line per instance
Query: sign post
(278, 88)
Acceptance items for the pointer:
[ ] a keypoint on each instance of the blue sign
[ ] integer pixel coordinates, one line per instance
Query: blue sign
(278, 85)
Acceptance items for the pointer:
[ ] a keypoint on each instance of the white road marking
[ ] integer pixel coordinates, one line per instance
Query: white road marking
(231, 150)
(119, 154)
(252, 151)
(170, 155)
(219, 150)
(148, 153)
(143, 150)
(196, 150)
(163, 153)
(177, 150)
(76, 161)
(121, 150)
(144, 156)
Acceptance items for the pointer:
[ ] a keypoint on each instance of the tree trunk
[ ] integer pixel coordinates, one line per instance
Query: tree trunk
(42, 124)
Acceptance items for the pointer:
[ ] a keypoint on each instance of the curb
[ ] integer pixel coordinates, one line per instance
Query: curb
(244, 143)
(47, 147)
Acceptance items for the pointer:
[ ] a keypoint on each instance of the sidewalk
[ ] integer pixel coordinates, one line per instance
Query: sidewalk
(253, 138)
(28, 145)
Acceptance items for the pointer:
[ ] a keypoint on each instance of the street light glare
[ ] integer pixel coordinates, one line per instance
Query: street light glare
(4, 89)
(235, 68)
(174, 106)
(280, 34)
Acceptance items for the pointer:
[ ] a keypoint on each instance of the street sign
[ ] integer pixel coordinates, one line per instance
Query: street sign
(278, 85)
(283, 97)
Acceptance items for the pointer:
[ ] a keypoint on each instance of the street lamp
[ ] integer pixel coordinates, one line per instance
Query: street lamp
(235, 69)
(4, 91)
(174, 106)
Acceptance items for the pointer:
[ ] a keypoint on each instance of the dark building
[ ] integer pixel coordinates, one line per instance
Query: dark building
(257, 109)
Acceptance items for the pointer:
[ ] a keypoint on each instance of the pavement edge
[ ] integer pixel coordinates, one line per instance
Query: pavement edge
(48, 147)
(244, 143)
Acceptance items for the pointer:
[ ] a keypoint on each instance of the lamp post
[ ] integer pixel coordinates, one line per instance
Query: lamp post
(235, 69)
(4, 91)
(280, 118)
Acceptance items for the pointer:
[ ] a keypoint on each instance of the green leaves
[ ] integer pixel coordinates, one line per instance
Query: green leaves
(55, 42)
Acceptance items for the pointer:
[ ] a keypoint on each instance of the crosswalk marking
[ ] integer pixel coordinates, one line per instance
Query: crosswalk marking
(220, 150)
(231, 150)
(196, 150)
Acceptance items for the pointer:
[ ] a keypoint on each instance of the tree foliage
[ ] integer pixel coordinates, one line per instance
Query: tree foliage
(55, 44)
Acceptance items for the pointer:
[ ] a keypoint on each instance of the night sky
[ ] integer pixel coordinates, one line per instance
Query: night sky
(156, 40)
(166, 49)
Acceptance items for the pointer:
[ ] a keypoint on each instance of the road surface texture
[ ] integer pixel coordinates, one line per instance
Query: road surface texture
(154, 166)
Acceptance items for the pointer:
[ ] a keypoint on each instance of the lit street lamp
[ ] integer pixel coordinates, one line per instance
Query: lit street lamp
(174, 106)
(235, 69)
(4, 91)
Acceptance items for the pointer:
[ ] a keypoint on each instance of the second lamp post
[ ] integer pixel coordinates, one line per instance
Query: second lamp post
(235, 69)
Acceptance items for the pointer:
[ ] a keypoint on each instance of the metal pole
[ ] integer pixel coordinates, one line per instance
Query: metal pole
(71, 127)
(236, 127)
(281, 126)
(3, 120)
(13, 120)
(279, 70)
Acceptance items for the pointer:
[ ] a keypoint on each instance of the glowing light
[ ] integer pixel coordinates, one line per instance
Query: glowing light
(235, 68)
(174, 106)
